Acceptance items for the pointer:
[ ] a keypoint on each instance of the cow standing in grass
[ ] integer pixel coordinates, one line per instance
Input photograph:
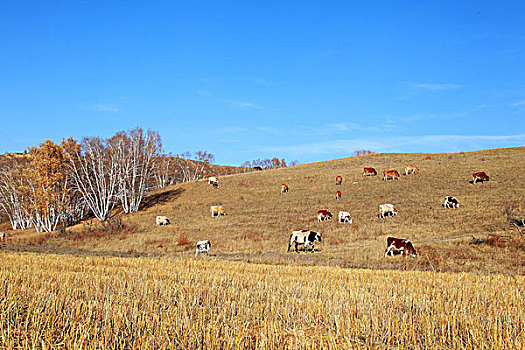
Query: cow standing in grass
(203, 247)
(390, 174)
(217, 210)
(305, 237)
(338, 180)
(338, 195)
(399, 245)
(451, 202)
(323, 215)
(162, 220)
(479, 176)
(284, 188)
(345, 216)
(411, 169)
(369, 172)
(386, 210)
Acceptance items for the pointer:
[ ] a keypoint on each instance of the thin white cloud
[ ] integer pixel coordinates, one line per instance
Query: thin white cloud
(519, 103)
(101, 107)
(242, 104)
(424, 143)
(433, 87)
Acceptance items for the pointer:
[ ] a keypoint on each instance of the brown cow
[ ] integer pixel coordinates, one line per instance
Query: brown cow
(399, 245)
(481, 176)
(369, 172)
(284, 188)
(338, 195)
(393, 174)
(338, 180)
(411, 169)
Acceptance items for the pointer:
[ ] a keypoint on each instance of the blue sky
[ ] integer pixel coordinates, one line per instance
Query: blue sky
(301, 80)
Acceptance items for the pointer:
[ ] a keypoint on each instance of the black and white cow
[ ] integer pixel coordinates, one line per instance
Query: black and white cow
(451, 202)
(203, 247)
(305, 237)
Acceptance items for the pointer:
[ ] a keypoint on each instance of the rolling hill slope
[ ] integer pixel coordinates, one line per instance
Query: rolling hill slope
(260, 218)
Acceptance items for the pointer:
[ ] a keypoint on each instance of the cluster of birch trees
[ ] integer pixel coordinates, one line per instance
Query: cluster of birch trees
(62, 183)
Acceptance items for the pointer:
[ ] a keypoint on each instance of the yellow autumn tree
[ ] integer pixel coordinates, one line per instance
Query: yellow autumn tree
(49, 185)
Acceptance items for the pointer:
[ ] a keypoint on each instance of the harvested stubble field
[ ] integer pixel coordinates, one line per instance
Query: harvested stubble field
(260, 218)
(51, 302)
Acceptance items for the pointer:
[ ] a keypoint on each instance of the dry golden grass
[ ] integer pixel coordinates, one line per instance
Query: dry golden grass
(260, 218)
(67, 302)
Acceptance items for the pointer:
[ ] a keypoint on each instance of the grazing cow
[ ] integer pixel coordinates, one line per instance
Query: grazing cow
(203, 247)
(305, 237)
(345, 216)
(213, 181)
(2, 236)
(338, 180)
(323, 214)
(481, 176)
(399, 245)
(284, 188)
(338, 195)
(450, 202)
(390, 174)
(411, 169)
(217, 210)
(369, 172)
(258, 168)
(386, 210)
(162, 220)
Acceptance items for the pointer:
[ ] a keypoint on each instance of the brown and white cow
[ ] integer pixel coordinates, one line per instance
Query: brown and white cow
(411, 169)
(284, 188)
(345, 216)
(369, 172)
(338, 195)
(217, 210)
(481, 176)
(399, 245)
(338, 180)
(386, 210)
(390, 174)
(323, 215)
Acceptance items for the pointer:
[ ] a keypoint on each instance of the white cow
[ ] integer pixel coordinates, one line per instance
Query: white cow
(217, 210)
(2, 236)
(203, 247)
(213, 180)
(345, 216)
(162, 220)
(387, 209)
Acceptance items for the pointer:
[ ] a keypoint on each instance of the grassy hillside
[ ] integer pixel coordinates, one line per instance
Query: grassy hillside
(261, 218)
(70, 302)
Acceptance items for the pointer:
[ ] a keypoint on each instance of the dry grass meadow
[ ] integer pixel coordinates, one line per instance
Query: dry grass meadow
(66, 302)
(140, 286)
(260, 218)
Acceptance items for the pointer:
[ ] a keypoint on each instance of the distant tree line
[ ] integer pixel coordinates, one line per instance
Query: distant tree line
(266, 163)
(62, 183)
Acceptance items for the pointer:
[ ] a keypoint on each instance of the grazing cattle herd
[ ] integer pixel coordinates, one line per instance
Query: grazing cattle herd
(308, 237)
